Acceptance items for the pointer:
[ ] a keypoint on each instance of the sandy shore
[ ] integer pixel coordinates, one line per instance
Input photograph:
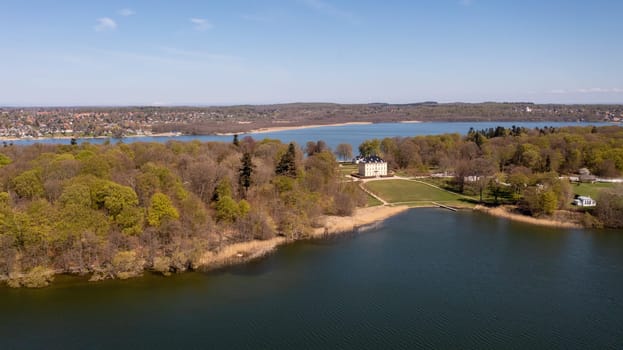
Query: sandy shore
(362, 217)
(286, 128)
(410, 121)
(503, 212)
(242, 252)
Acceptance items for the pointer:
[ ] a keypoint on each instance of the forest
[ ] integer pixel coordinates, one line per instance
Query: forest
(528, 168)
(114, 210)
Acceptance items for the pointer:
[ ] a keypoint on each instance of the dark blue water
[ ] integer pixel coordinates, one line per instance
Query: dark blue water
(425, 279)
(334, 135)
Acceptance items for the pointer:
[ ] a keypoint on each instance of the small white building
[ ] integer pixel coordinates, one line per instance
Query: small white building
(584, 201)
(372, 166)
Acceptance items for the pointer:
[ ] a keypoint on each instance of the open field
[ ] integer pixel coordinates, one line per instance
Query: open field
(591, 190)
(414, 193)
(372, 202)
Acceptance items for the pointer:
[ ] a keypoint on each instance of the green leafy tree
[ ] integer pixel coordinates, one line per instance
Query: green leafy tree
(4, 160)
(161, 208)
(227, 210)
(548, 201)
(223, 189)
(28, 184)
(243, 207)
(370, 147)
(113, 197)
(4, 199)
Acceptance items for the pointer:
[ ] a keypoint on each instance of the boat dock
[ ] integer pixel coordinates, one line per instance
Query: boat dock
(444, 206)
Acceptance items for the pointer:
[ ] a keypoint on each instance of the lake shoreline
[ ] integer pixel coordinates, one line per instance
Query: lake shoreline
(288, 128)
(505, 212)
(240, 253)
(363, 218)
(243, 252)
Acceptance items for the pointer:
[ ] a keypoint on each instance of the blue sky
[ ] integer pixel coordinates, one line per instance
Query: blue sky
(164, 52)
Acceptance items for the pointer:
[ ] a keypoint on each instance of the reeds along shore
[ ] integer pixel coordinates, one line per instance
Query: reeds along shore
(503, 212)
(247, 251)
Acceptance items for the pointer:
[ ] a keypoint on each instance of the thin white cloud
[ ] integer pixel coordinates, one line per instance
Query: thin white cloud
(201, 24)
(198, 54)
(597, 90)
(126, 12)
(593, 90)
(330, 10)
(145, 57)
(104, 24)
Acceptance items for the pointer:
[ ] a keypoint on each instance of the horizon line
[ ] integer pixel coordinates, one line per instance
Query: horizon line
(207, 105)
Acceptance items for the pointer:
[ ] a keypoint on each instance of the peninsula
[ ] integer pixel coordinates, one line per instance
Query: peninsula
(113, 211)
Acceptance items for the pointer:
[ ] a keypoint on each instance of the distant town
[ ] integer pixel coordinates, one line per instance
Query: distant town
(44, 122)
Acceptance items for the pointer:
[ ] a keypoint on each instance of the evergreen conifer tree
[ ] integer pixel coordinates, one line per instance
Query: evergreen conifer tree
(244, 173)
(287, 164)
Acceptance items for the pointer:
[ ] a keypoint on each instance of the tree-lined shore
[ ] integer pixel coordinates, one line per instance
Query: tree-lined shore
(530, 169)
(115, 210)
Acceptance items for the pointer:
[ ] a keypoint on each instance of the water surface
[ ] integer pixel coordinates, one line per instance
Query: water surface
(424, 279)
(353, 134)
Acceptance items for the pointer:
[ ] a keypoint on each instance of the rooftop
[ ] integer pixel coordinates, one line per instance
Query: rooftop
(371, 159)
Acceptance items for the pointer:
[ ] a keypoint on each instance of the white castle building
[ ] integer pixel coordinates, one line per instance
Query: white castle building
(372, 166)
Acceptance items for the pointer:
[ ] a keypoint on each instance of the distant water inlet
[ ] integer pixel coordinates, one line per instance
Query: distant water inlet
(427, 278)
(353, 134)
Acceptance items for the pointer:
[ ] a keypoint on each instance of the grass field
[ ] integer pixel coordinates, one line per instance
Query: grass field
(373, 202)
(591, 190)
(413, 193)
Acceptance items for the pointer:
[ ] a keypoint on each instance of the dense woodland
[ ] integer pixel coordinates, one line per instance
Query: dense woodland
(113, 210)
(516, 165)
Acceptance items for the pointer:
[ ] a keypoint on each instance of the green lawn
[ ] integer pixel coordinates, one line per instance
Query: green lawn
(591, 190)
(413, 193)
(373, 202)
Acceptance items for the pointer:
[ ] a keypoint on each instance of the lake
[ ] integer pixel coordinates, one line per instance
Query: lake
(353, 134)
(426, 278)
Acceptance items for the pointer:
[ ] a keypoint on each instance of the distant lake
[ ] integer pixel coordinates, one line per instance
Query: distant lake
(424, 279)
(334, 135)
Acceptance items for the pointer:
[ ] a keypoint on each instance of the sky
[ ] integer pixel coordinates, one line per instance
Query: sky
(190, 52)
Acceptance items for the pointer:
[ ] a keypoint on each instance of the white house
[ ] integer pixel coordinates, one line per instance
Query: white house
(584, 201)
(372, 166)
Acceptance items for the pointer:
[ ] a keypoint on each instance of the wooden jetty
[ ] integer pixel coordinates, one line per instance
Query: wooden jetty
(444, 206)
